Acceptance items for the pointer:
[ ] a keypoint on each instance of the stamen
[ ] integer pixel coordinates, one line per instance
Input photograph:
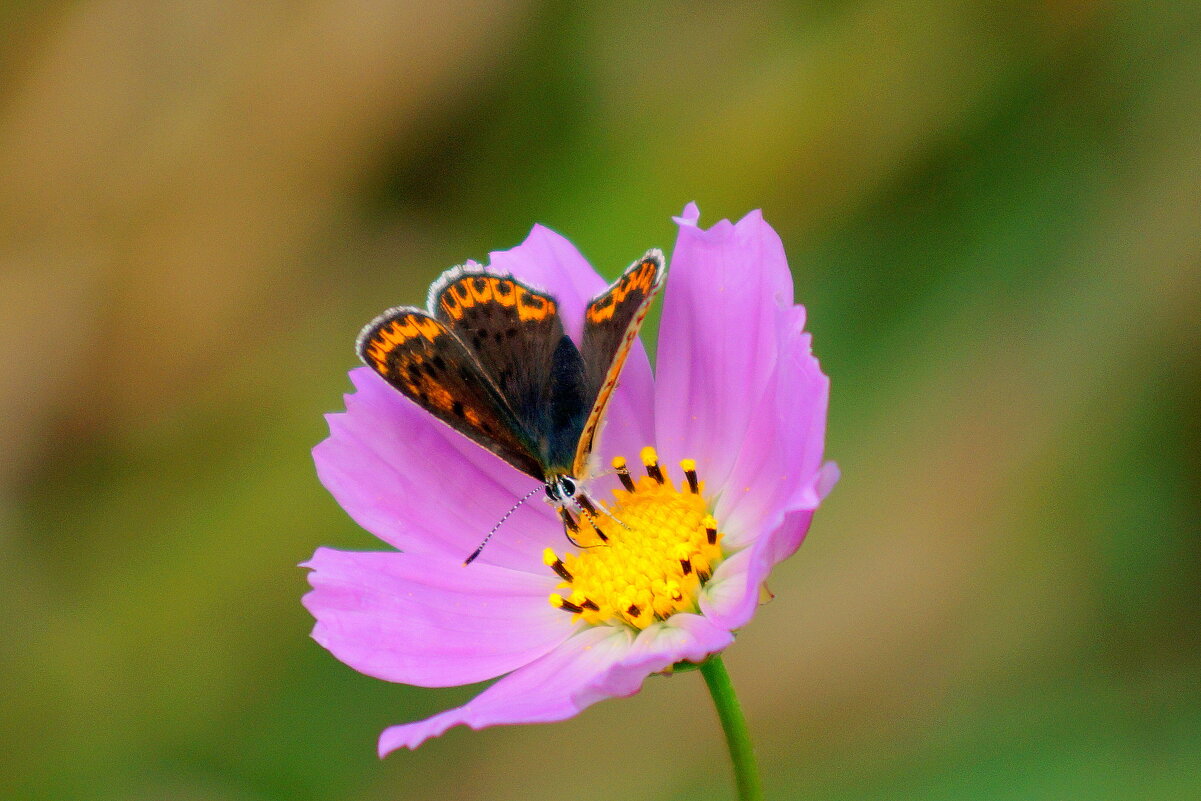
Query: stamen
(689, 467)
(551, 560)
(559, 601)
(619, 464)
(710, 525)
(651, 460)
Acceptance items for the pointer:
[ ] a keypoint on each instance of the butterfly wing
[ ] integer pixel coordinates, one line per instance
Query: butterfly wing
(515, 333)
(611, 324)
(418, 355)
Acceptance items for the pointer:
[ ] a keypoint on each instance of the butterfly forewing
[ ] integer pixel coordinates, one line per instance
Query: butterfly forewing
(515, 334)
(418, 355)
(611, 324)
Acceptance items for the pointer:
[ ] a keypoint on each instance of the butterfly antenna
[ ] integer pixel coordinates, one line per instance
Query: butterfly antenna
(591, 520)
(500, 523)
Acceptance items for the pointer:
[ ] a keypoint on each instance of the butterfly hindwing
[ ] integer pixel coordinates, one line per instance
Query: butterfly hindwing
(421, 357)
(516, 335)
(611, 324)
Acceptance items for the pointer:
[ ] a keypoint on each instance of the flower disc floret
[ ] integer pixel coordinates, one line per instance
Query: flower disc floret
(644, 557)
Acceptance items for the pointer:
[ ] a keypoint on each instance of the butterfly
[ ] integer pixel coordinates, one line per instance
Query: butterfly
(490, 358)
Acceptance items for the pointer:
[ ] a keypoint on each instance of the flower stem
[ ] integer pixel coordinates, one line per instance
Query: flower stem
(742, 753)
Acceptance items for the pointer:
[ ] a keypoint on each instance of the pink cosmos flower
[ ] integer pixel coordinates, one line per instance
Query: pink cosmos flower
(737, 398)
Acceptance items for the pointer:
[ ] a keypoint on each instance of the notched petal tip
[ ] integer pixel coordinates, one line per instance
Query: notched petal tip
(689, 216)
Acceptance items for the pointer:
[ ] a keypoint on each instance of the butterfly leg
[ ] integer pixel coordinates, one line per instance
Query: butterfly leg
(571, 527)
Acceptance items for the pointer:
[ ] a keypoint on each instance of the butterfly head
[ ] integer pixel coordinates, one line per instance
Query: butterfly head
(561, 489)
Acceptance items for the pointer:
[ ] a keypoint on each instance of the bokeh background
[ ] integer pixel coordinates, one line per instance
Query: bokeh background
(993, 213)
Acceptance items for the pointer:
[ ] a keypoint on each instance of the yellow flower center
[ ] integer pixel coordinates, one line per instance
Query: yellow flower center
(642, 558)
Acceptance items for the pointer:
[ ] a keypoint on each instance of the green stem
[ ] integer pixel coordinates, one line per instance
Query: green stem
(742, 753)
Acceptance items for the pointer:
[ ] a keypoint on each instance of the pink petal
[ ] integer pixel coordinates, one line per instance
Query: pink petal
(545, 690)
(730, 597)
(418, 620)
(718, 339)
(779, 486)
(681, 638)
(782, 449)
(424, 488)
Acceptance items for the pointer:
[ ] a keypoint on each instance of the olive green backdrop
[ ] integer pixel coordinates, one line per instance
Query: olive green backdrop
(992, 213)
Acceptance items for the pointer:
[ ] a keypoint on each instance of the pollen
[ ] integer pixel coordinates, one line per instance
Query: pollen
(645, 556)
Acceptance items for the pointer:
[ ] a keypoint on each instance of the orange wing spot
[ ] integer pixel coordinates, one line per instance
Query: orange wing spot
(451, 305)
(388, 338)
(406, 330)
(462, 293)
(602, 310)
(439, 396)
(600, 315)
(640, 281)
(427, 328)
(503, 291)
(481, 289)
(533, 307)
(379, 356)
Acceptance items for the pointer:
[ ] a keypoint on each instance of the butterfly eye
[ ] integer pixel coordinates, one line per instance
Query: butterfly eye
(552, 491)
(567, 486)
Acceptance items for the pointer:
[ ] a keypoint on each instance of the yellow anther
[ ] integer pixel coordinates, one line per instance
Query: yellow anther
(687, 464)
(549, 557)
(556, 600)
(651, 460)
(619, 463)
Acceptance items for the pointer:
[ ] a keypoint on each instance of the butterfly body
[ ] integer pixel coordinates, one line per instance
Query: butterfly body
(490, 358)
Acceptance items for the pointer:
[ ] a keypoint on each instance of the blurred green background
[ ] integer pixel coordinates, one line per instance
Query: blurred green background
(992, 210)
